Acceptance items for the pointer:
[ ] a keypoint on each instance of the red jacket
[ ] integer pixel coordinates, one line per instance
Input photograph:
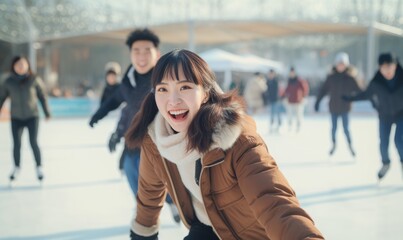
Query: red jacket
(296, 90)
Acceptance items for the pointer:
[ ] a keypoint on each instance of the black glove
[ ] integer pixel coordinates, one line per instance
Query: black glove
(134, 236)
(347, 98)
(316, 107)
(93, 121)
(115, 139)
(199, 231)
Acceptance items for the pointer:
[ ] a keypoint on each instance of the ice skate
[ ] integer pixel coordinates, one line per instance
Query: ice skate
(122, 173)
(175, 213)
(351, 150)
(382, 172)
(39, 173)
(331, 152)
(14, 174)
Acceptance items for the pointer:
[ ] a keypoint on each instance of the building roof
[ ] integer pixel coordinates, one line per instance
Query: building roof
(210, 21)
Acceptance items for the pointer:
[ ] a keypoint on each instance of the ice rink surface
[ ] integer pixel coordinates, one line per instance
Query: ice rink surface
(84, 196)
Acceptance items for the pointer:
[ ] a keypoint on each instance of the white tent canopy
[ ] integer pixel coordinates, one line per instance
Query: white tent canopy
(264, 64)
(222, 61)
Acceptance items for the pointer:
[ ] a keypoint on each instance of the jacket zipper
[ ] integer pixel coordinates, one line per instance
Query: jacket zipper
(212, 225)
(223, 217)
(175, 195)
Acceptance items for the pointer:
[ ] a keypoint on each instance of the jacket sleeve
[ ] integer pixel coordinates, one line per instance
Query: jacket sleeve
(151, 193)
(286, 92)
(305, 87)
(367, 94)
(110, 104)
(103, 96)
(3, 94)
(123, 123)
(323, 91)
(41, 93)
(354, 86)
(270, 196)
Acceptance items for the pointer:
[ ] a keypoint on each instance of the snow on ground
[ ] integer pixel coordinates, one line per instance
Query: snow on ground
(84, 196)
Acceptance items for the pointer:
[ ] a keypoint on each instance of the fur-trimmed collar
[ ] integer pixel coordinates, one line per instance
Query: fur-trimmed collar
(224, 135)
(350, 70)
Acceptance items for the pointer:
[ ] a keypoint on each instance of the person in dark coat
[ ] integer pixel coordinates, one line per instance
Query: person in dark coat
(339, 82)
(112, 84)
(25, 91)
(386, 94)
(136, 84)
(273, 100)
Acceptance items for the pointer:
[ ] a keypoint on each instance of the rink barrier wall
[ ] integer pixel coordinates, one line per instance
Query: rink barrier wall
(85, 107)
(61, 108)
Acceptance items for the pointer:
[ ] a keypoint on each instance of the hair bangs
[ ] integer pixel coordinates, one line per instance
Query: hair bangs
(170, 65)
(171, 71)
(192, 68)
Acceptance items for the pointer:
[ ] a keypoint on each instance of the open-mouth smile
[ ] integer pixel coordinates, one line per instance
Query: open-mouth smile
(178, 114)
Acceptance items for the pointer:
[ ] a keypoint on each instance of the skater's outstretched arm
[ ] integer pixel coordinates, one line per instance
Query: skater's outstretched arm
(110, 104)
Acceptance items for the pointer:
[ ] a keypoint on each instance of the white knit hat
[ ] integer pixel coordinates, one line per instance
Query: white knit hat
(113, 66)
(342, 57)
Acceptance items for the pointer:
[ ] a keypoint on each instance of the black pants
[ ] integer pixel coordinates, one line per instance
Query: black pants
(199, 231)
(17, 126)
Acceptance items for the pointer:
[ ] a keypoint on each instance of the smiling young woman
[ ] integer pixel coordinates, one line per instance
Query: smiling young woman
(198, 144)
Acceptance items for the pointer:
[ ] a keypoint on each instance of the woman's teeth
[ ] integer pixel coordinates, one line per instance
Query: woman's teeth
(178, 114)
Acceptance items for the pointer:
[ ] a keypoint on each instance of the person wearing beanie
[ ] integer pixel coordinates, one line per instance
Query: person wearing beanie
(385, 91)
(342, 57)
(341, 81)
(111, 85)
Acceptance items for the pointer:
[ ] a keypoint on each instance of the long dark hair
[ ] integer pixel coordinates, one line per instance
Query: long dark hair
(214, 111)
(15, 60)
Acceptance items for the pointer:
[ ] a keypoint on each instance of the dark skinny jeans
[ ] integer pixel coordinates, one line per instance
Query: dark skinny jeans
(385, 127)
(345, 120)
(17, 127)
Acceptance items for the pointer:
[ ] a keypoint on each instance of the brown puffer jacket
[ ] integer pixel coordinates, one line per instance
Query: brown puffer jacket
(244, 193)
(336, 85)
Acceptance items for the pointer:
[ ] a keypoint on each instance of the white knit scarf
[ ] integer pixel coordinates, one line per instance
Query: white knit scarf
(170, 145)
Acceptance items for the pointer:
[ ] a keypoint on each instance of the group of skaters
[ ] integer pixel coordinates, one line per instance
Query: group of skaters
(194, 147)
(264, 90)
(175, 122)
(187, 144)
(384, 91)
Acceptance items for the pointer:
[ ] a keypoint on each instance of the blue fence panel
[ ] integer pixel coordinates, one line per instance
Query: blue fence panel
(72, 107)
